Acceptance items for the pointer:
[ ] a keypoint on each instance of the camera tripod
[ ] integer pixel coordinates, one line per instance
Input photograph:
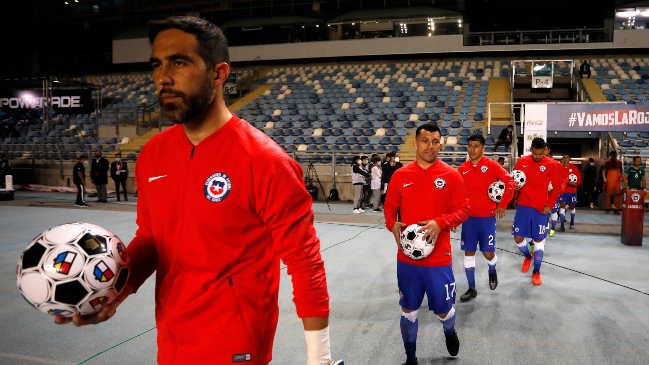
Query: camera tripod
(310, 176)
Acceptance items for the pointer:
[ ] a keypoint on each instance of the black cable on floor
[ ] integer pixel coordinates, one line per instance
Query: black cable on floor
(580, 272)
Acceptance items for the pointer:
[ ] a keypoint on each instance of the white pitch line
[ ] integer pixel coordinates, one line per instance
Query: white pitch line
(35, 359)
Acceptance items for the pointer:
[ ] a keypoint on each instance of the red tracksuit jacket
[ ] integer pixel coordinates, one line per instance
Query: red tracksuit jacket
(213, 222)
(477, 179)
(539, 176)
(572, 169)
(418, 195)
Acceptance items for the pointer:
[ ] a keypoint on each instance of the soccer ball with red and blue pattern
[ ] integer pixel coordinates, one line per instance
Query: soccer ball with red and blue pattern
(413, 244)
(74, 268)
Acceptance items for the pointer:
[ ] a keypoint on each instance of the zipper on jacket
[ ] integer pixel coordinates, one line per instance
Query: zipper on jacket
(191, 155)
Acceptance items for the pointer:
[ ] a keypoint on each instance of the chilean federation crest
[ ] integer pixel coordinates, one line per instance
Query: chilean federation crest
(217, 187)
(635, 197)
(542, 168)
(484, 168)
(440, 183)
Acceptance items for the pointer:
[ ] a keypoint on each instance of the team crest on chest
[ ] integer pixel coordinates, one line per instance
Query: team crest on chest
(484, 168)
(440, 183)
(542, 168)
(217, 187)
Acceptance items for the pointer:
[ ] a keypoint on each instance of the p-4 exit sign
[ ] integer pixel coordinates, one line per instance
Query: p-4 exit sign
(541, 82)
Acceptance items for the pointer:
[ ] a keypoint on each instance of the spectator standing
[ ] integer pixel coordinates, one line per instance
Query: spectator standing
(389, 169)
(99, 176)
(506, 137)
(375, 183)
(358, 180)
(119, 173)
(367, 190)
(79, 179)
(5, 169)
(590, 183)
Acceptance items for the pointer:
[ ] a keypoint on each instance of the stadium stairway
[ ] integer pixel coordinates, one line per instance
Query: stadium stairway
(595, 92)
(260, 90)
(499, 92)
(135, 144)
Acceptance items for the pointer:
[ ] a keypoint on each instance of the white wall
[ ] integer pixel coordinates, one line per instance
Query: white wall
(138, 50)
(131, 50)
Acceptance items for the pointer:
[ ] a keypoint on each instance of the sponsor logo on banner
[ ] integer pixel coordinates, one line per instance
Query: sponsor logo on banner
(68, 100)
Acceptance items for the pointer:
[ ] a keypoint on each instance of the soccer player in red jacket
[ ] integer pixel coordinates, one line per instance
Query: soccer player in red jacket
(569, 196)
(479, 230)
(430, 193)
(219, 205)
(534, 205)
(554, 214)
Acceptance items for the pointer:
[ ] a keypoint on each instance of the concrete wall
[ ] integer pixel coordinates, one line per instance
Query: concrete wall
(138, 50)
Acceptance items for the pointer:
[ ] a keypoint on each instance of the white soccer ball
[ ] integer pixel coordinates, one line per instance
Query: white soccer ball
(496, 191)
(74, 268)
(572, 178)
(519, 178)
(413, 243)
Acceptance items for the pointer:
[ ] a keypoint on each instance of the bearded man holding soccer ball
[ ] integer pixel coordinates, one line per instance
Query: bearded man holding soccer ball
(217, 297)
(432, 194)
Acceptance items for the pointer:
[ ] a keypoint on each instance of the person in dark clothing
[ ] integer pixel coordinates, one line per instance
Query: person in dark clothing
(99, 176)
(584, 69)
(358, 180)
(392, 165)
(119, 173)
(506, 137)
(367, 191)
(79, 179)
(5, 169)
(590, 183)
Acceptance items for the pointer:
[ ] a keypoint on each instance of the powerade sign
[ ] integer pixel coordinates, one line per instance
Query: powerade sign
(69, 101)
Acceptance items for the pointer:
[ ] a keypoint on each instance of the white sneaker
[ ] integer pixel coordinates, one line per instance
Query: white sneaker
(362, 211)
(357, 211)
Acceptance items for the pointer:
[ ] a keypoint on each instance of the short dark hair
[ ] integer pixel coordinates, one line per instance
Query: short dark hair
(82, 157)
(538, 143)
(634, 157)
(591, 159)
(613, 153)
(100, 151)
(477, 137)
(389, 155)
(118, 153)
(501, 158)
(432, 128)
(212, 44)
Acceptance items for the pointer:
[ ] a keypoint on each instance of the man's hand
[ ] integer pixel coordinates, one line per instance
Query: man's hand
(454, 229)
(396, 231)
(500, 212)
(432, 230)
(546, 210)
(103, 315)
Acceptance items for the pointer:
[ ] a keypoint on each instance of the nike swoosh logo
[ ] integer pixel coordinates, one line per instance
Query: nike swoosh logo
(525, 165)
(156, 178)
(404, 185)
(464, 172)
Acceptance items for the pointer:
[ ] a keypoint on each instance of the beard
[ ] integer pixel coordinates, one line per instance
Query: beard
(191, 106)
